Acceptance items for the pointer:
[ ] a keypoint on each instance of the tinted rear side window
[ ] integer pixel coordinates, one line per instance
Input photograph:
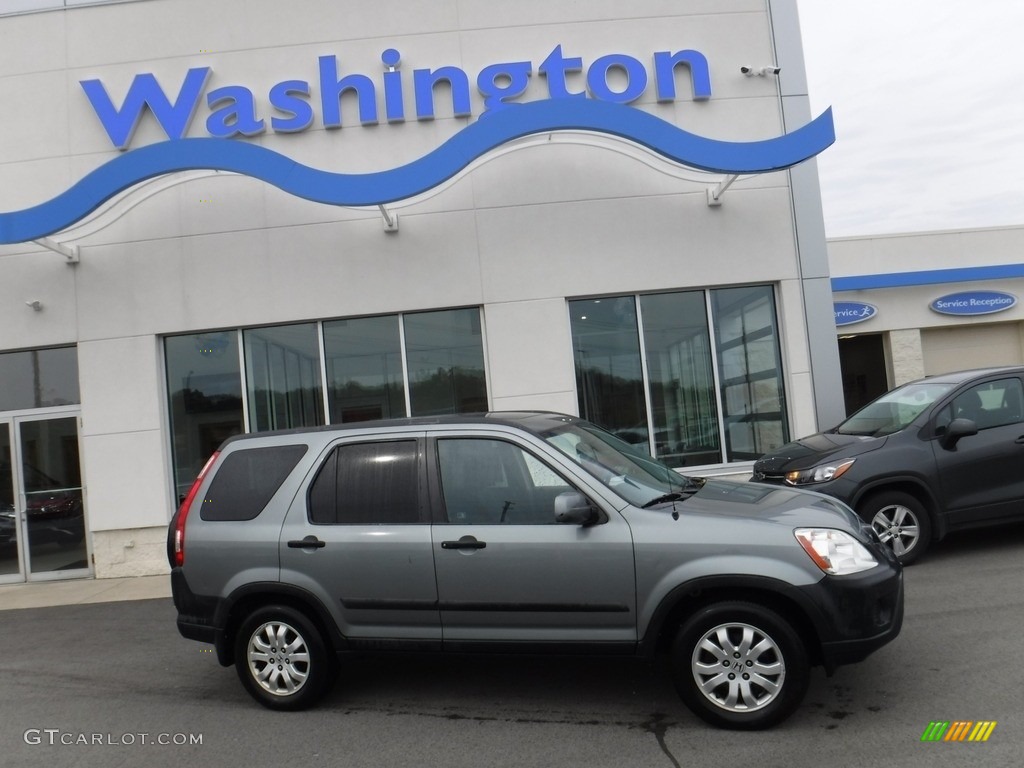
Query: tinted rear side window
(367, 484)
(247, 480)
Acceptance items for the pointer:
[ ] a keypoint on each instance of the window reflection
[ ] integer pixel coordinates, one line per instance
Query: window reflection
(39, 378)
(204, 384)
(609, 376)
(682, 388)
(446, 362)
(364, 369)
(283, 375)
(753, 401)
(672, 339)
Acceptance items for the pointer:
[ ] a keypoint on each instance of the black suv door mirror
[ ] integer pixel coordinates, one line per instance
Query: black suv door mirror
(957, 428)
(573, 508)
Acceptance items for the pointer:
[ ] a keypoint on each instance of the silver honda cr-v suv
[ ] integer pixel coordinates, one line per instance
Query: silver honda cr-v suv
(520, 532)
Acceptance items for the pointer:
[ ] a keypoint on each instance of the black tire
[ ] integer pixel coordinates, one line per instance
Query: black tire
(740, 666)
(901, 522)
(290, 667)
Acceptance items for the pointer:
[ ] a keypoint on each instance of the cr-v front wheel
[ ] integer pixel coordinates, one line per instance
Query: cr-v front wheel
(738, 665)
(281, 658)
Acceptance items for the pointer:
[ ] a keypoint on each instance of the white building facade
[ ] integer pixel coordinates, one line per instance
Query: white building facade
(919, 304)
(214, 222)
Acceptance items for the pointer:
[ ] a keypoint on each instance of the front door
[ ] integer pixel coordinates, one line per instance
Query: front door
(42, 514)
(507, 570)
(983, 475)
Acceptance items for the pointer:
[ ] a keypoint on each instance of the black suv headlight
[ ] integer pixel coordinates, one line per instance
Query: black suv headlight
(820, 474)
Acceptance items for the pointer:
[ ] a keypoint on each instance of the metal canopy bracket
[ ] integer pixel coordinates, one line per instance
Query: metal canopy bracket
(715, 193)
(69, 252)
(390, 219)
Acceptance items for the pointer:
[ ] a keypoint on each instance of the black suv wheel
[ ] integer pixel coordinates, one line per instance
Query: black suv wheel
(281, 658)
(901, 522)
(738, 665)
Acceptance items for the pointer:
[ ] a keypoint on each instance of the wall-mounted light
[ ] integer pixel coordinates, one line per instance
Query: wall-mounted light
(760, 71)
(35, 304)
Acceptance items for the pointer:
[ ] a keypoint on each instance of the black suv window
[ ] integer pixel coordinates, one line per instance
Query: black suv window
(247, 480)
(992, 404)
(490, 482)
(367, 484)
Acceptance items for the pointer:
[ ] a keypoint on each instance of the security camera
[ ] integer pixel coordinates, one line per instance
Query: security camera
(760, 71)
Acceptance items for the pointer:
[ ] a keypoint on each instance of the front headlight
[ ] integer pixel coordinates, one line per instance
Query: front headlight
(835, 552)
(819, 474)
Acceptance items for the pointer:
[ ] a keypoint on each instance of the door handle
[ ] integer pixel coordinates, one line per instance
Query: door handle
(310, 542)
(1019, 440)
(466, 542)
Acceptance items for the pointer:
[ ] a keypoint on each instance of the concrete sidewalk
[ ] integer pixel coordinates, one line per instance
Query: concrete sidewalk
(41, 594)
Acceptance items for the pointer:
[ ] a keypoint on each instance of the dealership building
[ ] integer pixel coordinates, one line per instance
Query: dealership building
(213, 223)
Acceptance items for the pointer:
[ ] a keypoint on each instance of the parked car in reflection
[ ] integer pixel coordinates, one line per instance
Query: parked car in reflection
(931, 457)
(54, 514)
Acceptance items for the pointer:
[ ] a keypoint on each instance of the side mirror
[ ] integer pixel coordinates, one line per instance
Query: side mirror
(957, 428)
(572, 508)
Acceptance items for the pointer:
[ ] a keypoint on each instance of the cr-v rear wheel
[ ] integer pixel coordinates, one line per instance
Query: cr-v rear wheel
(738, 665)
(281, 658)
(901, 522)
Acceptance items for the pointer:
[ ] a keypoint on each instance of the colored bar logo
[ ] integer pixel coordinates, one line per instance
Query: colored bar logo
(958, 730)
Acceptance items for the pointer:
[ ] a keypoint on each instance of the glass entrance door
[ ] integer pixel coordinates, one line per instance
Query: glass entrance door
(10, 563)
(40, 474)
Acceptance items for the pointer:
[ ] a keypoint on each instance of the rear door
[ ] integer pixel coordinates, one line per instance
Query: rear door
(359, 538)
(982, 476)
(506, 570)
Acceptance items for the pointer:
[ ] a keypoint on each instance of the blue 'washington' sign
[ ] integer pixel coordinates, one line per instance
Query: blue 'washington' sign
(594, 98)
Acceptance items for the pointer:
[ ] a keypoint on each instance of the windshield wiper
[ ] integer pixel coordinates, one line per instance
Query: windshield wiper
(685, 492)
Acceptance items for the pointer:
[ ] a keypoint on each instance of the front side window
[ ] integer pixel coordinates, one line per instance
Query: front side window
(992, 404)
(493, 482)
(374, 483)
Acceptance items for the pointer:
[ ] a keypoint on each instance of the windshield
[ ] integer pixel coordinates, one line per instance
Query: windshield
(631, 473)
(894, 410)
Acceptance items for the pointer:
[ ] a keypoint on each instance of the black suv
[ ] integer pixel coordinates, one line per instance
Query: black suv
(930, 457)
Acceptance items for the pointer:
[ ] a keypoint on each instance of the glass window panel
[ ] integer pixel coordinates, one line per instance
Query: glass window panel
(248, 480)
(446, 362)
(39, 378)
(54, 512)
(491, 482)
(677, 345)
(750, 369)
(283, 375)
(204, 384)
(364, 369)
(609, 376)
(368, 484)
(8, 534)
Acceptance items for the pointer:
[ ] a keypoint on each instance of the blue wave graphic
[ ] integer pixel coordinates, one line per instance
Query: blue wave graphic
(370, 189)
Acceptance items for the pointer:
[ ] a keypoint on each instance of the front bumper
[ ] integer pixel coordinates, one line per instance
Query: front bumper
(857, 614)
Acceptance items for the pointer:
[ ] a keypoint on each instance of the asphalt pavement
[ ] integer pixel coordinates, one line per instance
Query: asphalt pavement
(95, 674)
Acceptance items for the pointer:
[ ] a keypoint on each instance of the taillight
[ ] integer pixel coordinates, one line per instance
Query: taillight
(186, 505)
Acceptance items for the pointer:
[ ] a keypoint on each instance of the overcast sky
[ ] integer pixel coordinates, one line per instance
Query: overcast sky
(928, 100)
